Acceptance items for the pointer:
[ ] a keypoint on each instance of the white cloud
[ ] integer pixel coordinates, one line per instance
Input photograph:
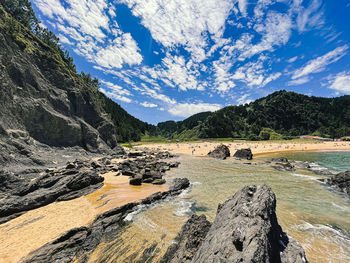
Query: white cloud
(299, 81)
(184, 22)
(122, 50)
(115, 88)
(87, 16)
(86, 25)
(64, 40)
(293, 59)
(188, 109)
(310, 17)
(148, 104)
(115, 95)
(340, 82)
(319, 64)
(244, 99)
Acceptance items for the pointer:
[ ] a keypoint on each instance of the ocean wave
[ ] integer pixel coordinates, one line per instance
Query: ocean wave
(304, 176)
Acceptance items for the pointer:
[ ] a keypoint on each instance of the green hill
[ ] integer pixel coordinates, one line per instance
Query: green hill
(286, 113)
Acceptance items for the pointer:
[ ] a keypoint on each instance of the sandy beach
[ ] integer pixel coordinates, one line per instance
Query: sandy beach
(40, 226)
(258, 148)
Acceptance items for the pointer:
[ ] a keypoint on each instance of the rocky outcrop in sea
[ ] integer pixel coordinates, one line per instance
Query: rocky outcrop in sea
(245, 229)
(340, 182)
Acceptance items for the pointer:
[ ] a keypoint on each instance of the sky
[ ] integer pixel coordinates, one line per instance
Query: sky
(169, 59)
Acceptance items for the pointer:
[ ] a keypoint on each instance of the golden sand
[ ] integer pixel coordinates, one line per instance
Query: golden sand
(258, 148)
(35, 228)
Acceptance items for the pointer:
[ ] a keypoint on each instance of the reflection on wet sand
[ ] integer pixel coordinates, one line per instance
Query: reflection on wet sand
(35, 228)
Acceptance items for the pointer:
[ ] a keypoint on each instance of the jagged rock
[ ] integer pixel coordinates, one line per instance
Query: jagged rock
(246, 230)
(220, 152)
(244, 154)
(187, 242)
(20, 194)
(282, 164)
(341, 182)
(179, 184)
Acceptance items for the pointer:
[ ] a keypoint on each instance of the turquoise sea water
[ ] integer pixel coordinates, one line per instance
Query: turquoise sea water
(337, 161)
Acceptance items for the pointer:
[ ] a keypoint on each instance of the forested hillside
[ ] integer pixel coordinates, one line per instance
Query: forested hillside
(174, 129)
(28, 43)
(284, 113)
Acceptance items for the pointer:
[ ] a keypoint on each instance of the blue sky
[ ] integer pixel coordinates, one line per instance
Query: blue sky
(169, 59)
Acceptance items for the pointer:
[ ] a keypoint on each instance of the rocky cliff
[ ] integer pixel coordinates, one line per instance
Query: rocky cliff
(245, 230)
(42, 100)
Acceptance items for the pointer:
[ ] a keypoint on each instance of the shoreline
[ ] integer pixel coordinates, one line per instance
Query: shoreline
(201, 149)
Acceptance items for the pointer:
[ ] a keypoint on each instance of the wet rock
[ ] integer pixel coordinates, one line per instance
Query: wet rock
(341, 182)
(179, 184)
(244, 154)
(187, 242)
(220, 152)
(85, 239)
(246, 230)
(21, 194)
(136, 180)
(158, 181)
(282, 164)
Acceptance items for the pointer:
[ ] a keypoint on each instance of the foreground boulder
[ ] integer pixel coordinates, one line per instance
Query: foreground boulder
(220, 152)
(191, 235)
(341, 182)
(245, 230)
(244, 154)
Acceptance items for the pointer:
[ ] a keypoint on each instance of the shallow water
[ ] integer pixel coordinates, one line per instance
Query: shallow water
(306, 209)
(35, 228)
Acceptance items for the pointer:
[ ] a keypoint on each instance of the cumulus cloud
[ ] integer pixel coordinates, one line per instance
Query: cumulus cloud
(89, 25)
(188, 109)
(189, 23)
(340, 82)
(319, 64)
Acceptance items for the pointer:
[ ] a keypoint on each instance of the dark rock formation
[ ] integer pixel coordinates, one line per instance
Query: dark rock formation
(341, 182)
(147, 168)
(244, 154)
(33, 188)
(282, 164)
(20, 194)
(220, 152)
(245, 230)
(78, 241)
(187, 243)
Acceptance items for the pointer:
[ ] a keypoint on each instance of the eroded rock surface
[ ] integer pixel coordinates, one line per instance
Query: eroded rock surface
(341, 182)
(220, 152)
(244, 154)
(245, 230)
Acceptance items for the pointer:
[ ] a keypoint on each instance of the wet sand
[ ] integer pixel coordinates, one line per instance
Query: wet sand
(35, 228)
(258, 148)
